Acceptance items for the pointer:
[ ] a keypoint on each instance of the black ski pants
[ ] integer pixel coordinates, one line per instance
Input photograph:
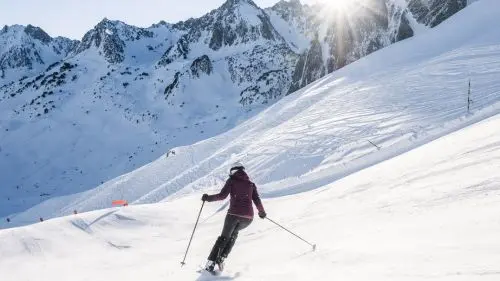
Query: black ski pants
(224, 244)
(233, 224)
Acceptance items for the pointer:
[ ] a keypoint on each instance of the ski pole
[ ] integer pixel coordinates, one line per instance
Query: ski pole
(192, 234)
(312, 245)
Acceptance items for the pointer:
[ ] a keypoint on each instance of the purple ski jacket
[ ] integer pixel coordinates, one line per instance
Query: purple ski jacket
(243, 192)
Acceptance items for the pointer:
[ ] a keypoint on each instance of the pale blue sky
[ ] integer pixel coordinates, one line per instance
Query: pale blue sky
(72, 18)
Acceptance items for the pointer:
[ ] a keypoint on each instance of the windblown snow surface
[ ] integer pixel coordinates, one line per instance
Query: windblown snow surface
(424, 205)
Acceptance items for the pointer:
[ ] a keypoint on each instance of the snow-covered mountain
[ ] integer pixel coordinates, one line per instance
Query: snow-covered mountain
(75, 114)
(371, 110)
(430, 213)
(27, 50)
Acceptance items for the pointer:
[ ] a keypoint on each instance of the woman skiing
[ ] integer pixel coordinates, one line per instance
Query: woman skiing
(239, 215)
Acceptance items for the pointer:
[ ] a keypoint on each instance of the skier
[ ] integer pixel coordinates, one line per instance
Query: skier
(239, 215)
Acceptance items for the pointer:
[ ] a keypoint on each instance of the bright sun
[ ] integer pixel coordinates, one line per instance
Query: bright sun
(344, 7)
(339, 5)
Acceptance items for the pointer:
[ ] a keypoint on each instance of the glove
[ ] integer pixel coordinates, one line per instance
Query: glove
(204, 197)
(262, 215)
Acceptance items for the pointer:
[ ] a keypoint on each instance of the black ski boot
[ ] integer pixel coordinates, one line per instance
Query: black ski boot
(215, 254)
(210, 267)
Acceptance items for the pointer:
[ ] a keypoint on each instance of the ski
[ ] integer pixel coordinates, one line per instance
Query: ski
(211, 273)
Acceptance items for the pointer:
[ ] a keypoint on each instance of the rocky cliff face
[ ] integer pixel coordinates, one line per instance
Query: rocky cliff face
(434, 12)
(367, 27)
(75, 113)
(440, 10)
(241, 40)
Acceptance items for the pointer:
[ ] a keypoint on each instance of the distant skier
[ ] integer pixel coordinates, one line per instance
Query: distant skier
(239, 215)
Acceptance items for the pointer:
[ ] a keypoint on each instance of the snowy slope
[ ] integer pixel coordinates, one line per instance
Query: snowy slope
(397, 99)
(76, 114)
(429, 214)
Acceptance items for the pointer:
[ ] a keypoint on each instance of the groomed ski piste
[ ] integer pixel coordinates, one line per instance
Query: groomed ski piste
(429, 214)
(422, 206)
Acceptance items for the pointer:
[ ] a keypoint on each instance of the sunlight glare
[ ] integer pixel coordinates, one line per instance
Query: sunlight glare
(338, 5)
(344, 8)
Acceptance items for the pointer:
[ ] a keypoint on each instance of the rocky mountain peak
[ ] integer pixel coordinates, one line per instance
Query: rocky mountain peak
(236, 22)
(12, 34)
(240, 21)
(110, 38)
(26, 32)
(286, 7)
(161, 23)
(230, 3)
(29, 47)
(37, 33)
(105, 38)
(288, 3)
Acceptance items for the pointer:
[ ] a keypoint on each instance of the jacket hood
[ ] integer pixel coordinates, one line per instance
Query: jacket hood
(240, 175)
